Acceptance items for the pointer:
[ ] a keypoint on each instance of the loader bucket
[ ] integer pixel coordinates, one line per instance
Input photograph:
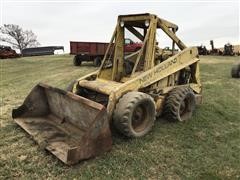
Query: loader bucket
(71, 127)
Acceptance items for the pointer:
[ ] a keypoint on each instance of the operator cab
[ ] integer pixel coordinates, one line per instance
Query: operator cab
(121, 62)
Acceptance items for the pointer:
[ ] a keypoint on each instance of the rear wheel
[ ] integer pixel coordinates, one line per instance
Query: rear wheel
(180, 104)
(135, 114)
(236, 71)
(77, 61)
(97, 61)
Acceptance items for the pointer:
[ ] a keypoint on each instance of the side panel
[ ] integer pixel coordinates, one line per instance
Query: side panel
(101, 48)
(73, 48)
(175, 63)
(91, 48)
(172, 65)
(83, 48)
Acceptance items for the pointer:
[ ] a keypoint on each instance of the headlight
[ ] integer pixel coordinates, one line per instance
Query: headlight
(121, 23)
(147, 23)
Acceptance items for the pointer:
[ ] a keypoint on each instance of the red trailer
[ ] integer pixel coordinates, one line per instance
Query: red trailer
(94, 51)
(88, 51)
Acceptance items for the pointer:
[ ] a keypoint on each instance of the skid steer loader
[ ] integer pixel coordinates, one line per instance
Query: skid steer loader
(127, 92)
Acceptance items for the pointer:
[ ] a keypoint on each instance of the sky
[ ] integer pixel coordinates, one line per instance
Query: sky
(59, 22)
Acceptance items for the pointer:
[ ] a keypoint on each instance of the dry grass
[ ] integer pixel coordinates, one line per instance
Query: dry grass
(206, 147)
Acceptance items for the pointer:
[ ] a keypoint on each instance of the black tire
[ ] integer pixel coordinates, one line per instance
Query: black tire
(97, 61)
(134, 114)
(77, 61)
(128, 66)
(70, 86)
(180, 104)
(235, 71)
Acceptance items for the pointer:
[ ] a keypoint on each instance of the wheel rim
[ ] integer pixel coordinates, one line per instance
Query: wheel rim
(139, 118)
(185, 109)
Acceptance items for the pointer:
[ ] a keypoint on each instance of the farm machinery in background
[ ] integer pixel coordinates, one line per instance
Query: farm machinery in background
(228, 50)
(202, 50)
(126, 93)
(213, 50)
(41, 51)
(7, 52)
(94, 51)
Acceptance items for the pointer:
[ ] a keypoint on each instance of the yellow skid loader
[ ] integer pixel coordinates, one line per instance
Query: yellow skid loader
(127, 92)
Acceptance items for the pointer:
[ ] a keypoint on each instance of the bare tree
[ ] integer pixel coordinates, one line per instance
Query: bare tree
(17, 37)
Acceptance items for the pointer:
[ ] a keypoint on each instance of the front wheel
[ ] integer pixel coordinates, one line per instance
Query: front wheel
(134, 114)
(97, 61)
(77, 61)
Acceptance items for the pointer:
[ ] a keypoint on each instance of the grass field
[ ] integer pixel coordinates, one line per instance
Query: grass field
(206, 147)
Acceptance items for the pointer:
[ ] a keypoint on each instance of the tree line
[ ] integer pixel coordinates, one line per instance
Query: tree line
(17, 37)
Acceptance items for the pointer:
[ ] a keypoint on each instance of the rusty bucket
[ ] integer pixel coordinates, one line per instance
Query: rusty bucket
(71, 127)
